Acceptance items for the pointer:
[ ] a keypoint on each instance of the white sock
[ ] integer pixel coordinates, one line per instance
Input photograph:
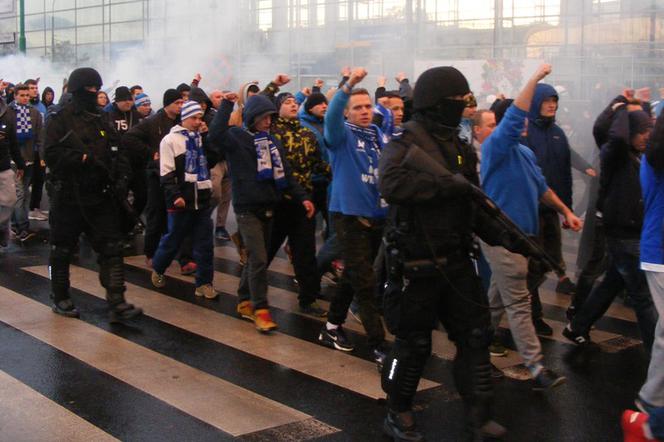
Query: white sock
(331, 326)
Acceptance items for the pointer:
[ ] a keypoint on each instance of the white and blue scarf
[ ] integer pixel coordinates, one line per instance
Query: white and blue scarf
(23, 123)
(270, 166)
(195, 163)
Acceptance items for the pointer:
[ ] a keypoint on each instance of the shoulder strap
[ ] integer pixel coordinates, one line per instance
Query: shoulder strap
(425, 142)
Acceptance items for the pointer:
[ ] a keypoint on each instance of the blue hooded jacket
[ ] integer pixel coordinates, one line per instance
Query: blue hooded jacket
(549, 143)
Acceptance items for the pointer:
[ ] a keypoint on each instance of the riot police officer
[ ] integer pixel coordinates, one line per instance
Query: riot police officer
(87, 180)
(429, 239)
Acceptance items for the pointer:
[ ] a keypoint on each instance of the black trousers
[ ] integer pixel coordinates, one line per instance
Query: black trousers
(102, 227)
(37, 183)
(156, 221)
(550, 239)
(413, 308)
(359, 240)
(290, 221)
(594, 268)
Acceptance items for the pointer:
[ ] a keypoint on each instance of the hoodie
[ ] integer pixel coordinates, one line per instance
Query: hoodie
(652, 185)
(237, 145)
(236, 116)
(549, 143)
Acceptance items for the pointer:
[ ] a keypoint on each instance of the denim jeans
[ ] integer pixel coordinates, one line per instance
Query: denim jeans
(623, 272)
(22, 208)
(198, 224)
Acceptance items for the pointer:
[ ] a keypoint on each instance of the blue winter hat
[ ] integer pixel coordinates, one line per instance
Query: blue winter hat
(141, 100)
(189, 109)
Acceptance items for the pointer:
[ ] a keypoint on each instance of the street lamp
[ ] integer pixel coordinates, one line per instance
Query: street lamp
(21, 37)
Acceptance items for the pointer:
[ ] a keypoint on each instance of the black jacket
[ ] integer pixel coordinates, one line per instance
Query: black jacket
(8, 145)
(237, 145)
(434, 213)
(72, 133)
(122, 121)
(142, 141)
(620, 198)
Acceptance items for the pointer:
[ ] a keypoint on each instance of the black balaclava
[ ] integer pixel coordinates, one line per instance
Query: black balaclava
(80, 79)
(430, 104)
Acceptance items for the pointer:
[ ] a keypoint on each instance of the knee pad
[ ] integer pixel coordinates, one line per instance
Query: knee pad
(60, 253)
(403, 368)
(479, 338)
(110, 249)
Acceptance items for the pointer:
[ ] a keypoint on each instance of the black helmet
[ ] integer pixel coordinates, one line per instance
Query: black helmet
(83, 77)
(437, 83)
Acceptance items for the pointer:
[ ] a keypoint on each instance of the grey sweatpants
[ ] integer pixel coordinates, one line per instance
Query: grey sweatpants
(653, 390)
(509, 288)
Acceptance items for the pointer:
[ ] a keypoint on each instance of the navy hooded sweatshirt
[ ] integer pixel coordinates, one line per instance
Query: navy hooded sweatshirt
(549, 143)
(249, 193)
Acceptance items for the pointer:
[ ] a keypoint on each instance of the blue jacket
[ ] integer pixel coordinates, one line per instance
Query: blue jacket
(510, 174)
(550, 145)
(237, 144)
(354, 156)
(652, 189)
(314, 124)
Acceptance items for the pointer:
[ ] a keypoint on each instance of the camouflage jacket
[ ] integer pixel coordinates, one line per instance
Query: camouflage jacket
(302, 151)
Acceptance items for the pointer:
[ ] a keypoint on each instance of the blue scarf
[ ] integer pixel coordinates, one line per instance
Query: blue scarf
(373, 137)
(270, 166)
(23, 123)
(387, 126)
(195, 164)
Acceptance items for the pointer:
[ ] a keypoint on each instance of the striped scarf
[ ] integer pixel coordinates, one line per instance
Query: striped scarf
(195, 164)
(23, 123)
(270, 166)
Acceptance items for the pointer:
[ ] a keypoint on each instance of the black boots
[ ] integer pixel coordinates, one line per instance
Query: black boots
(65, 307)
(401, 427)
(120, 309)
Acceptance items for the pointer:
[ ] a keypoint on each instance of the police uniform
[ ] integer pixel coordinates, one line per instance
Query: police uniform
(88, 175)
(431, 276)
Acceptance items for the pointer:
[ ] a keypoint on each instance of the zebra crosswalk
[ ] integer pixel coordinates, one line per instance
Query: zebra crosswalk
(191, 370)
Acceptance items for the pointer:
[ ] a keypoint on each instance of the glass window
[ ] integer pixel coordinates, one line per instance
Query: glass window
(36, 22)
(89, 16)
(84, 3)
(264, 12)
(126, 12)
(127, 31)
(89, 34)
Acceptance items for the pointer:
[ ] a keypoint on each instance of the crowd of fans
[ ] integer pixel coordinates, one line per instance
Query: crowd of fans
(289, 160)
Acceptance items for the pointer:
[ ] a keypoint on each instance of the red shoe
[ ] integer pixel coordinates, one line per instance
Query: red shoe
(634, 425)
(189, 268)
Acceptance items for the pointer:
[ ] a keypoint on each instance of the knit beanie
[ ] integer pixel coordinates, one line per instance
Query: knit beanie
(437, 83)
(639, 122)
(314, 100)
(170, 96)
(141, 100)
(281, 98)
(122, 94)
(189, 109)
